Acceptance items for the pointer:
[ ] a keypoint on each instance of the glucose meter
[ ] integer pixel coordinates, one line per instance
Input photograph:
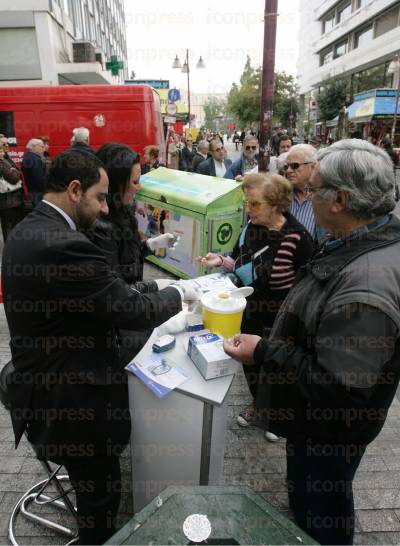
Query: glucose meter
(163, 344)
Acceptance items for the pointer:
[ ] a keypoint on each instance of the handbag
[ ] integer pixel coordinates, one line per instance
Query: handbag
(6, 187)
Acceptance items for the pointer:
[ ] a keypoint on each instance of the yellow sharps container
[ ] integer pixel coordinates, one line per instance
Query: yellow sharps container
(222, 313)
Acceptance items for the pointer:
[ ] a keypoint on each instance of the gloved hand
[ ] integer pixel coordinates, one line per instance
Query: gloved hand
(163, 283)
(163, 241)
(190, 293)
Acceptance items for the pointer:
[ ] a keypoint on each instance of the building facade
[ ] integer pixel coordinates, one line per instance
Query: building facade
(58, 42)
(354, 40)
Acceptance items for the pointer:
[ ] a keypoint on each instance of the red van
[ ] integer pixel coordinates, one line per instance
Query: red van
(128, 114)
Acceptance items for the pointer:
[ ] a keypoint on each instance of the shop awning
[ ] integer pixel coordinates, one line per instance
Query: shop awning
(374, 104)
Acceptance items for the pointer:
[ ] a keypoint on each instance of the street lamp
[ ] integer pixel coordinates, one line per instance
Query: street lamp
(394, 68)
(186, 70)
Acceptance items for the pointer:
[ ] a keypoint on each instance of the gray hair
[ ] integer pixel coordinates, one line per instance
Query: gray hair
(249, 137)
(33, 142)
(364, 172)
(309, 152)
(81, 134)
(203, 145)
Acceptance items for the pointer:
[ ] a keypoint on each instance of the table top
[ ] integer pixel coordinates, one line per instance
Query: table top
(237, 516)
(213, 391)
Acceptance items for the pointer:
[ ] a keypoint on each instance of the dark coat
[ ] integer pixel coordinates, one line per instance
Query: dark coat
(63, 306)
(34, 170)
(330, 366)
(14, 197)
(207, 167)
(187, 158)
(197, 159)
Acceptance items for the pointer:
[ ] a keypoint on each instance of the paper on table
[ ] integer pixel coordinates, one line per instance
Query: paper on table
(214, 281)
(158, 373)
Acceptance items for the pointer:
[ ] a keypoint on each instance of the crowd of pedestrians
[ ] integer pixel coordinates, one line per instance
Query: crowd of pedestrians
(320, 336)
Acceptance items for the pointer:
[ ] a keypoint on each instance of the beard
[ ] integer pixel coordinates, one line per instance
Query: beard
(84, 220)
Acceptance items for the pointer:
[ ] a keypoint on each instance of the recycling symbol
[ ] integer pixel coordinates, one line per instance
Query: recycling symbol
(224, 234)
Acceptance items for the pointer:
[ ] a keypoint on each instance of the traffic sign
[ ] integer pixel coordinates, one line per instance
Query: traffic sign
(174, 95)
(171, 108)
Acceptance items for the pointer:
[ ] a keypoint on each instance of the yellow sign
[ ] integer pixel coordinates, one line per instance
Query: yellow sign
(181, 106)
(366, 108)
(193, 132)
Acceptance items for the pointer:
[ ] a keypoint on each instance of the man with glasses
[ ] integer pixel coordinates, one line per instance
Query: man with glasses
(298, 170)
(248, 161)
(330, 364)
(216, 165)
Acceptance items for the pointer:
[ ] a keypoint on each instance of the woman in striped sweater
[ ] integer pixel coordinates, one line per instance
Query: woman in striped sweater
(270, 250)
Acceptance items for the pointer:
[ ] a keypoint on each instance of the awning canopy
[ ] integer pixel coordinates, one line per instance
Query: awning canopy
(374, 104)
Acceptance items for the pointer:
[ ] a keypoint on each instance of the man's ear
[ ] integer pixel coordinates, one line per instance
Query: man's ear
(340, 202)
(74, 191)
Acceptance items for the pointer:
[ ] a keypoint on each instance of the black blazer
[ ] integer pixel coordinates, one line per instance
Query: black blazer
(63, 306)
(207, 167)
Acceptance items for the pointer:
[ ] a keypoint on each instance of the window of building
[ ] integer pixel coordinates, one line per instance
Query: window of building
(361, 3)
(326, 57)
(364, 37)
(328, 23)
(340, 49)
(387, 21)
(343, 12)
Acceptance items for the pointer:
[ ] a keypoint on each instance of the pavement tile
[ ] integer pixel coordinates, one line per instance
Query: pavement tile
(11, 465)
(377, 499)
(378, 520)
(371, 463)
(371, 538)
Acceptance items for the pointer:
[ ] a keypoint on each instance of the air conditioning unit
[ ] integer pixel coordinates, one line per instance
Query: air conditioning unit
(83, 52)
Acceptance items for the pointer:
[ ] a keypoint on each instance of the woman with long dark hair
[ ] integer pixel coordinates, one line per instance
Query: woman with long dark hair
(117, 233)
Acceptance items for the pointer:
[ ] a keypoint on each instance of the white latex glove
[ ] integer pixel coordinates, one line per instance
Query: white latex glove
(167, 240)
(163, 283)
(189, 292)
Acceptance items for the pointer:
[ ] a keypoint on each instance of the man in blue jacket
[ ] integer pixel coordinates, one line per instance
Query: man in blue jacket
(34, 169)
(248, 161)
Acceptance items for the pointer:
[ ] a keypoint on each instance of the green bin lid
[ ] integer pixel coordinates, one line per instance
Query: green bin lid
(190, 191)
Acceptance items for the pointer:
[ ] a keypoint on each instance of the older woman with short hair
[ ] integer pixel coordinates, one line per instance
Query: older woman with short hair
(270, 250)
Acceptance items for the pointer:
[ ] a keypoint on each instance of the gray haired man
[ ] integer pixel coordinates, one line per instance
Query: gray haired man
(80, 139)
(330, 365)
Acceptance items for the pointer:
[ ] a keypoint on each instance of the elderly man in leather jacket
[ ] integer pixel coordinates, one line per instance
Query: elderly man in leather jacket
(330, 365)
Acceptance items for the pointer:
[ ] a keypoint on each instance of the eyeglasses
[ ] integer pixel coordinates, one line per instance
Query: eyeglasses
(218, 149)
(295, 165)
(255, 205)
(251, 147)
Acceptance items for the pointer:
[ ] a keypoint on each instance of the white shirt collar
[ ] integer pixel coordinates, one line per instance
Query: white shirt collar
(69, 220)
(220, 168)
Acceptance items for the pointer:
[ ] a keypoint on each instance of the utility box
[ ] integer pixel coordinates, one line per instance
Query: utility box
(237, 516)
(206, 212)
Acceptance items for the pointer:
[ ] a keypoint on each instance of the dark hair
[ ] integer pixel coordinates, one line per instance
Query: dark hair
(73, 164)
(118, 160)
(283, 138)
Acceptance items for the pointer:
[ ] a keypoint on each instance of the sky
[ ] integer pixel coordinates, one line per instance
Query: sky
(223, 33)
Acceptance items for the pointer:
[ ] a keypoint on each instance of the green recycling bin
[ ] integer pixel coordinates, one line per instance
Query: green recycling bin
(205, 212)
(237, 516)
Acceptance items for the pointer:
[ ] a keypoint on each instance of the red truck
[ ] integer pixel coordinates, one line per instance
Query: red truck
(128, 114)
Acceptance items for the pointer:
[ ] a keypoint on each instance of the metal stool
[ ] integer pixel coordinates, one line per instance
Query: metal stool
(36, 494)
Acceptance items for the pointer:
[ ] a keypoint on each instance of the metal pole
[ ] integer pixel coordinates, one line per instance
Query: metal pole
(393, 134)
(188, 72)
(268, 79)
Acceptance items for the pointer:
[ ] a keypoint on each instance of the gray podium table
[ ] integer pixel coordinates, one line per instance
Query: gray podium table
(179, 439)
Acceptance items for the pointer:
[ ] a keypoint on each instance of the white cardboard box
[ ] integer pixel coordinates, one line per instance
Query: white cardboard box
(209, 357)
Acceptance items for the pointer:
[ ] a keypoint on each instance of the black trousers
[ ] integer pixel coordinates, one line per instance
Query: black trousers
(320, 485)
(97, 482)
(9, 218)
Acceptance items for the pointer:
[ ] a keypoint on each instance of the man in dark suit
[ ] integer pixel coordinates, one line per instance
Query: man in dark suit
(201, 154)
(216, 165)
(64, 306)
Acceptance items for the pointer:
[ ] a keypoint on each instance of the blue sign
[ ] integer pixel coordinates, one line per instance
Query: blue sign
(174, 95)
(155, 84)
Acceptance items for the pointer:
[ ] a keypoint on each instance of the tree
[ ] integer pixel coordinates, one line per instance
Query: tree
(332, 98)
(213, 108)
(245, 100)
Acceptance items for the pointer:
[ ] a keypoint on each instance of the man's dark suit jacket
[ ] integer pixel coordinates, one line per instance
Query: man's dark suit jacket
(34, 169)
(63, 306)
(207, 166)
